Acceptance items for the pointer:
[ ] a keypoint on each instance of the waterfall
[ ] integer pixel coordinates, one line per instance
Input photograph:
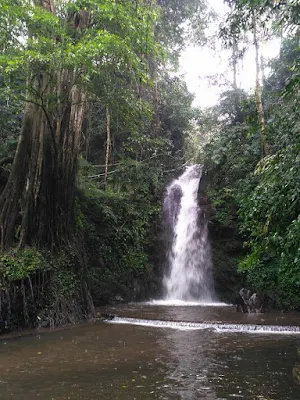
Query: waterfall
(189, 274)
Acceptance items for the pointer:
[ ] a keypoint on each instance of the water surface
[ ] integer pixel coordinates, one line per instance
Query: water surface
(111, 361)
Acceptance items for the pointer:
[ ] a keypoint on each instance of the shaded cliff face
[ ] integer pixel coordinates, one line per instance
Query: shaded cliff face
(123, 243)
(226, 243)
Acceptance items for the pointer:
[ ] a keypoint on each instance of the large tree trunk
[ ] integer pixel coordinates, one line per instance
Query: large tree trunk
(37, 203)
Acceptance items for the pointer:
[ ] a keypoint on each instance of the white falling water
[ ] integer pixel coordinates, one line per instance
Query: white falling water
(189, 276)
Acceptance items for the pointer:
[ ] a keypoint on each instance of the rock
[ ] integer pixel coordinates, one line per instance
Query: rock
(106, 317)
(240, 305)
(3, 327)
(44, 323)
(296, 374)
(245, 295)
(171, 207)
(254, 302)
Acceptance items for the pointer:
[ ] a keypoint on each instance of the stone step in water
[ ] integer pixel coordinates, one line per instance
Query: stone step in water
(182, 303)
(215, 326)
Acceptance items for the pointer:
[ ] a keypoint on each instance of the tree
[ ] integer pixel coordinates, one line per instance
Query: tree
(245, 17)
(56, 51)
(65, 47)
(181, 22)
(270, 208)
(256, 197)
(258, 89)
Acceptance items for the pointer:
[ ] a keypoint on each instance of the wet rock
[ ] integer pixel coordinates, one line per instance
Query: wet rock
(3, 327)
(253, 303)
(44, 323)
(105, 317)
(119, 299)
(240, 306)
(172, 207)
(296, 369)
(256, 303)
(296, 374)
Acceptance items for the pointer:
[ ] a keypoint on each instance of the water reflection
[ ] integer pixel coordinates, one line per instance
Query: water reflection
(189, 364)
(258, 367)
(124, 362)
(207, 365)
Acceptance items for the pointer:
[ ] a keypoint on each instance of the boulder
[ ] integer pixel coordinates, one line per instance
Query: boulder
(240, 305)
(296, 369)
(254, 303)
(296, 373)
(105, 317)
(119, 299)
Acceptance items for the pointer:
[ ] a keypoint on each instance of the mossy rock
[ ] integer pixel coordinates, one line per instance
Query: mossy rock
(296, 373)
(227, 280)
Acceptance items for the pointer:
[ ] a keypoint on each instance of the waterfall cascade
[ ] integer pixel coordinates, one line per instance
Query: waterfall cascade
(189, 274)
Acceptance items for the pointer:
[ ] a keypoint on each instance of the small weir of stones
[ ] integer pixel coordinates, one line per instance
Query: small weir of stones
(216, 326)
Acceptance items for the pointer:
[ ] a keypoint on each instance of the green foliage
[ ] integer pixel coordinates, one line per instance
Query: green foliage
(20, 264)
(120, 33)
(64, 281)
(17, 265)
(231, 153)
(175, 110)
(273, 18)
(270, 216)
(10, 118)
(121, 243)
(259, 197)
(113, 53)
(105, 45)
(182, 20)
(115, 239)
(120, 226)
(270, 208)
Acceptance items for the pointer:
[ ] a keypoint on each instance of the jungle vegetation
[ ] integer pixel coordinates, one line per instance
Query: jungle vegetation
(94, 121)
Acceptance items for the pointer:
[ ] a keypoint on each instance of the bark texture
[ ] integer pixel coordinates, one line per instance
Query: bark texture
(37, 203)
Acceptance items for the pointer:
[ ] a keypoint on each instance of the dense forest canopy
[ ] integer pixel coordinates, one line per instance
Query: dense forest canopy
(94, 120)
(254, 151)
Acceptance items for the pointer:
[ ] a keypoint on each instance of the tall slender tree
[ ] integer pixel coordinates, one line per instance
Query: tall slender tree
(265, 149)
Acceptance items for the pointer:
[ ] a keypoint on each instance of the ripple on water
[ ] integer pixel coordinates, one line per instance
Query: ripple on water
(122, 362)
